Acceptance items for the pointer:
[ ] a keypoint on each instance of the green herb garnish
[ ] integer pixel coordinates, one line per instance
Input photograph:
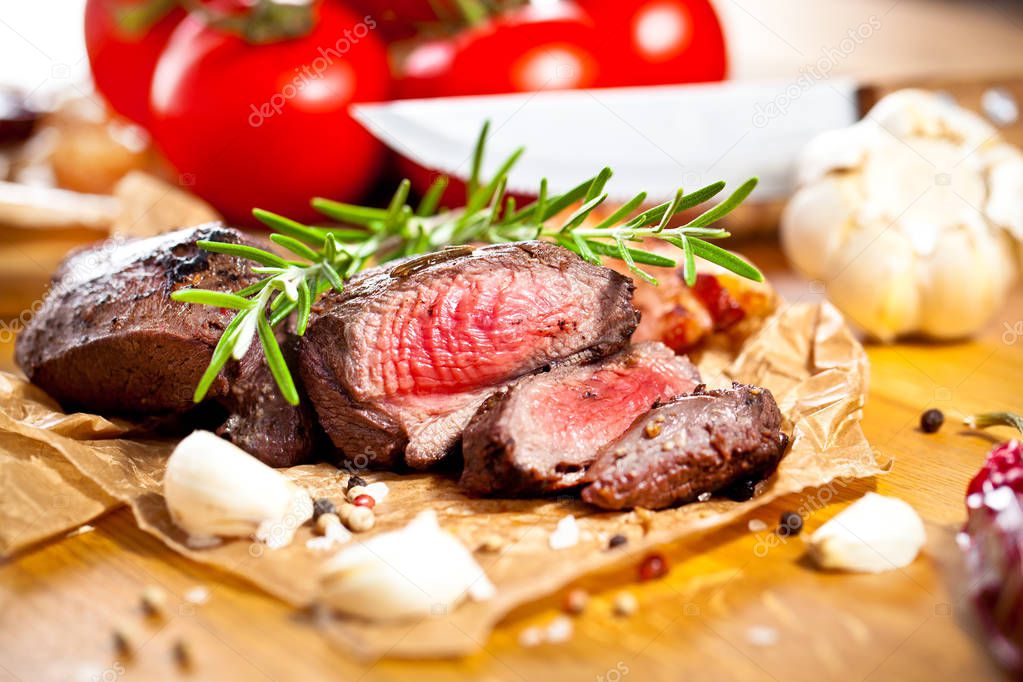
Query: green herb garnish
(326, 257)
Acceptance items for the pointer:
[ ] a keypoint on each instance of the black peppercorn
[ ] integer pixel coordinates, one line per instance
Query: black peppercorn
(354, 480)
(323, 506)
(617, 541)
(931, 421)
(791, 524)
(742, 490)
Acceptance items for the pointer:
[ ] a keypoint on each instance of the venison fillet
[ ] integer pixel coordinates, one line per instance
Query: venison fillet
(108, 339)
(398, 362)
(695, 444)
(541, 433)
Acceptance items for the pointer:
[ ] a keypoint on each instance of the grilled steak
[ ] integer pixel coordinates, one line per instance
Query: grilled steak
(109, 339)
(398, 362)
(541, 433)
(695, 444)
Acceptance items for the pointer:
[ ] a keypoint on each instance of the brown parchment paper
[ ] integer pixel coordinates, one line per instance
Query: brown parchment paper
(804, 354)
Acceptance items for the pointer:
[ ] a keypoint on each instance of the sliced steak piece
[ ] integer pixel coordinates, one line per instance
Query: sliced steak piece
(541, 433)
(694, 444)
(109, 339)
(399, 361)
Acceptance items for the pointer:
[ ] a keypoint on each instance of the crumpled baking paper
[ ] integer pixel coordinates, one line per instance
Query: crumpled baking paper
(59, 471)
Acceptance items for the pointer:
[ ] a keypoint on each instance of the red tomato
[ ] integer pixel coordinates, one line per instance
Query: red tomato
(522, 50)
(268, 125)
(660, 41)
(123, 61)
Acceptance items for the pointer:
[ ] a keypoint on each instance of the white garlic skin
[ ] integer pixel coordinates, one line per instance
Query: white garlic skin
(908, 218)
(416, 571)
(215, 489)
(873, 535)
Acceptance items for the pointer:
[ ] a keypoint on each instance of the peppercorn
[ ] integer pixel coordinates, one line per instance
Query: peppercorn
(358, 519)
(931, 421)
(617, 541)
(575, 601)
(652, 567)
(791, 524)
(154, 601)
(625, 604)
(323, 506)
(742, 490)
(182, 652)
(354, 480)
(364, 501)
(355, 491)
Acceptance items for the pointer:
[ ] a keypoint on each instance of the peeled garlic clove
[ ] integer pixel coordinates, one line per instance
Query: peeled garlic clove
(412, 572)
(215, 489)
(875, 534)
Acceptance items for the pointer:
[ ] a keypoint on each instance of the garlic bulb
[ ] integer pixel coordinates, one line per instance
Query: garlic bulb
(215, 489)
(415, 571)
(873, 535)
(908, 218)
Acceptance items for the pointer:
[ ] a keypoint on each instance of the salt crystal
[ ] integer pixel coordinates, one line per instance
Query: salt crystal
(756, 526)
(703, 497)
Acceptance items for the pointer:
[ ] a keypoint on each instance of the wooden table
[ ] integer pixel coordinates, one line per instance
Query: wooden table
(737, 605)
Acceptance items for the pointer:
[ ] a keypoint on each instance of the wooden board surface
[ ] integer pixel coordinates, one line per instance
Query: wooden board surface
(736, 605)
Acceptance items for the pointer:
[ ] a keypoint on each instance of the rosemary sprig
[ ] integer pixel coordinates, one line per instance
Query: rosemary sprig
(326, 257)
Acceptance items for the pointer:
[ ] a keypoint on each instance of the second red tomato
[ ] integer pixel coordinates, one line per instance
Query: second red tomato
(659, 42)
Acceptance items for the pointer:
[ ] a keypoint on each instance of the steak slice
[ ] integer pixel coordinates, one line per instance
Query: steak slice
(541, 433)
(398, 362)
(694, 444)
(109, 339)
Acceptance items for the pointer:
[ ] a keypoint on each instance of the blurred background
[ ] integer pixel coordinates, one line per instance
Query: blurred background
(130, 117)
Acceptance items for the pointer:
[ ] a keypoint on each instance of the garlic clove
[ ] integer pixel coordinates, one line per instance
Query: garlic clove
(966, 281)
(416, 571)
(873, 535)
(215, 489)
(876, 286)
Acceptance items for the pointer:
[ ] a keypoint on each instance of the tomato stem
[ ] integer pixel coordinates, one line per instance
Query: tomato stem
(267, 21)
(137, 19)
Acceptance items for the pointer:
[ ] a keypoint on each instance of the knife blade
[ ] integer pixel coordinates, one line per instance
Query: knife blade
(655, 138)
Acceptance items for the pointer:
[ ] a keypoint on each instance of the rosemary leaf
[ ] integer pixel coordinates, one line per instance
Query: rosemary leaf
(292, 228)
(221, 353)
(477, 160)
(295, 246)
(726, 206)
(726, 259)
(619, 215)
(282, 313)
(275, 360)
(431, 200)
(242, 251)
(331, 275)
(579, 215)
(348, 213)
(220, 299)
(305, 304)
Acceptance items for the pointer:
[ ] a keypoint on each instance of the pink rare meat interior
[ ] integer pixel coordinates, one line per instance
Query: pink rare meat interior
(465, 334)
(585, 414)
